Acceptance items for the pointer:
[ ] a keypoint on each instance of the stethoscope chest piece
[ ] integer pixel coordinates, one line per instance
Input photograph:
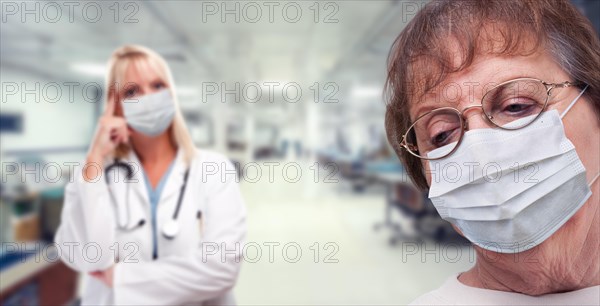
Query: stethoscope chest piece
(170, 229)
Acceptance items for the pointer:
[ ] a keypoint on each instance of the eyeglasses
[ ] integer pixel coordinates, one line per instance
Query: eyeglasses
(510, 105)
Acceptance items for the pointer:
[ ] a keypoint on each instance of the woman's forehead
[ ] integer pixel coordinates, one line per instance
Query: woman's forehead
(436, 61)
(467, 86)
(140, 70)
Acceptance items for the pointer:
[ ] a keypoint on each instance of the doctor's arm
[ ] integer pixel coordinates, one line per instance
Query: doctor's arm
(206, 273)
(87, 229)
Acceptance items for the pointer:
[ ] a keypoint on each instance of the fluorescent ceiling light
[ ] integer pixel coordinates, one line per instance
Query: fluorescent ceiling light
(93, 69)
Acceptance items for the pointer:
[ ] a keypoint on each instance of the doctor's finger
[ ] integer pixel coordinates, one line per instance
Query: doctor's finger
(123, 135)
(112, 122)
(119, 133)
(120, 127)
(108, 125)
(110, 106)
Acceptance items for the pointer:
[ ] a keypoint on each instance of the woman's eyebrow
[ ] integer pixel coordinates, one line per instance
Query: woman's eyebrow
(131, 86)
(430, 102)
(421, 108)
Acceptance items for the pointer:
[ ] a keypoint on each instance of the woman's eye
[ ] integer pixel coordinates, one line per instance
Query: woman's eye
(442, 138)
(514, 108)
(159, 85)
(520, 108)
(129, 93)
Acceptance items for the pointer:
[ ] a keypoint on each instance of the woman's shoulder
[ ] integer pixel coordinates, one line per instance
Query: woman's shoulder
(447, 294)
(214, 166)
(430, 298)
(453, 292)
(215, 172)
(436, 297)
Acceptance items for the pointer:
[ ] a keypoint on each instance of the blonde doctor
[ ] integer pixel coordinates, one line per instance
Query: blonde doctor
(149, 219)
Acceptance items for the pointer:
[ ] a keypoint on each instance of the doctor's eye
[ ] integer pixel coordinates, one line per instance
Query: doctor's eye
(130, 92)
(159, 85)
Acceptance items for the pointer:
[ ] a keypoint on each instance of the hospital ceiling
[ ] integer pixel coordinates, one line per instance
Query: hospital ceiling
(350, 52)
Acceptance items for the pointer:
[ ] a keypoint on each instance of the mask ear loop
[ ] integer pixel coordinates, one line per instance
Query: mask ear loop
(566, 111)
(594, 179)
(573, 103)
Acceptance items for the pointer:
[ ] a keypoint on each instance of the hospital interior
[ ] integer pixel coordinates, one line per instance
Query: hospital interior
(290, 93)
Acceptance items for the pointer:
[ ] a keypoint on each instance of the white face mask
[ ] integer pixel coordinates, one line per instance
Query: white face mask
(509, 190)
(150, 114)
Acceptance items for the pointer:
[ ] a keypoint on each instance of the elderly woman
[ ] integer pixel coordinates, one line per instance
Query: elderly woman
(495, 107)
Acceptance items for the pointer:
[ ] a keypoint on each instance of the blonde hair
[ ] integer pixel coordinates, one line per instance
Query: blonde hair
(117, 66)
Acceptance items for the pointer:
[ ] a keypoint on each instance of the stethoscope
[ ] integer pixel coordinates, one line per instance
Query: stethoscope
(171, 228)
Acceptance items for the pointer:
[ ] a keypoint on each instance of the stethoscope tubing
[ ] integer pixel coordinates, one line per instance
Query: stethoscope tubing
(171, 229)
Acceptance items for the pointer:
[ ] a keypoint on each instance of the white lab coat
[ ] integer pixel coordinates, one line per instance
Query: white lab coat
(199, 266)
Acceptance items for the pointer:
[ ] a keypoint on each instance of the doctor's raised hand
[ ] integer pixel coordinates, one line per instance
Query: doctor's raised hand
(141, 220)
(110, 132)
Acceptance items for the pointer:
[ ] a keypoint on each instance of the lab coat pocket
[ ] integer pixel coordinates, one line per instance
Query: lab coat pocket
(129, 246)
(201, 216)
(188, 236)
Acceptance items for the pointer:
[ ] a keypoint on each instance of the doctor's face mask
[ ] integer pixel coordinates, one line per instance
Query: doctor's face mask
(150, 114)
(509, 190)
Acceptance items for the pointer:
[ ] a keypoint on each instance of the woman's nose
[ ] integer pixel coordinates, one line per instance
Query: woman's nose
(476, 119)
(144, 90)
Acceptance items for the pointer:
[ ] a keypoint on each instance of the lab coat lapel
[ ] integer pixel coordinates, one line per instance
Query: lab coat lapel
(172, 186)
(139, 183)
(175, 179)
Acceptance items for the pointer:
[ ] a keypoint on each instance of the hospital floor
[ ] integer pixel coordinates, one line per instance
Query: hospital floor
(357, 267)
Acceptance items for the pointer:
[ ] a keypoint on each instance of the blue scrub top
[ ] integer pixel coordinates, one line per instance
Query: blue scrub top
(154, 197)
